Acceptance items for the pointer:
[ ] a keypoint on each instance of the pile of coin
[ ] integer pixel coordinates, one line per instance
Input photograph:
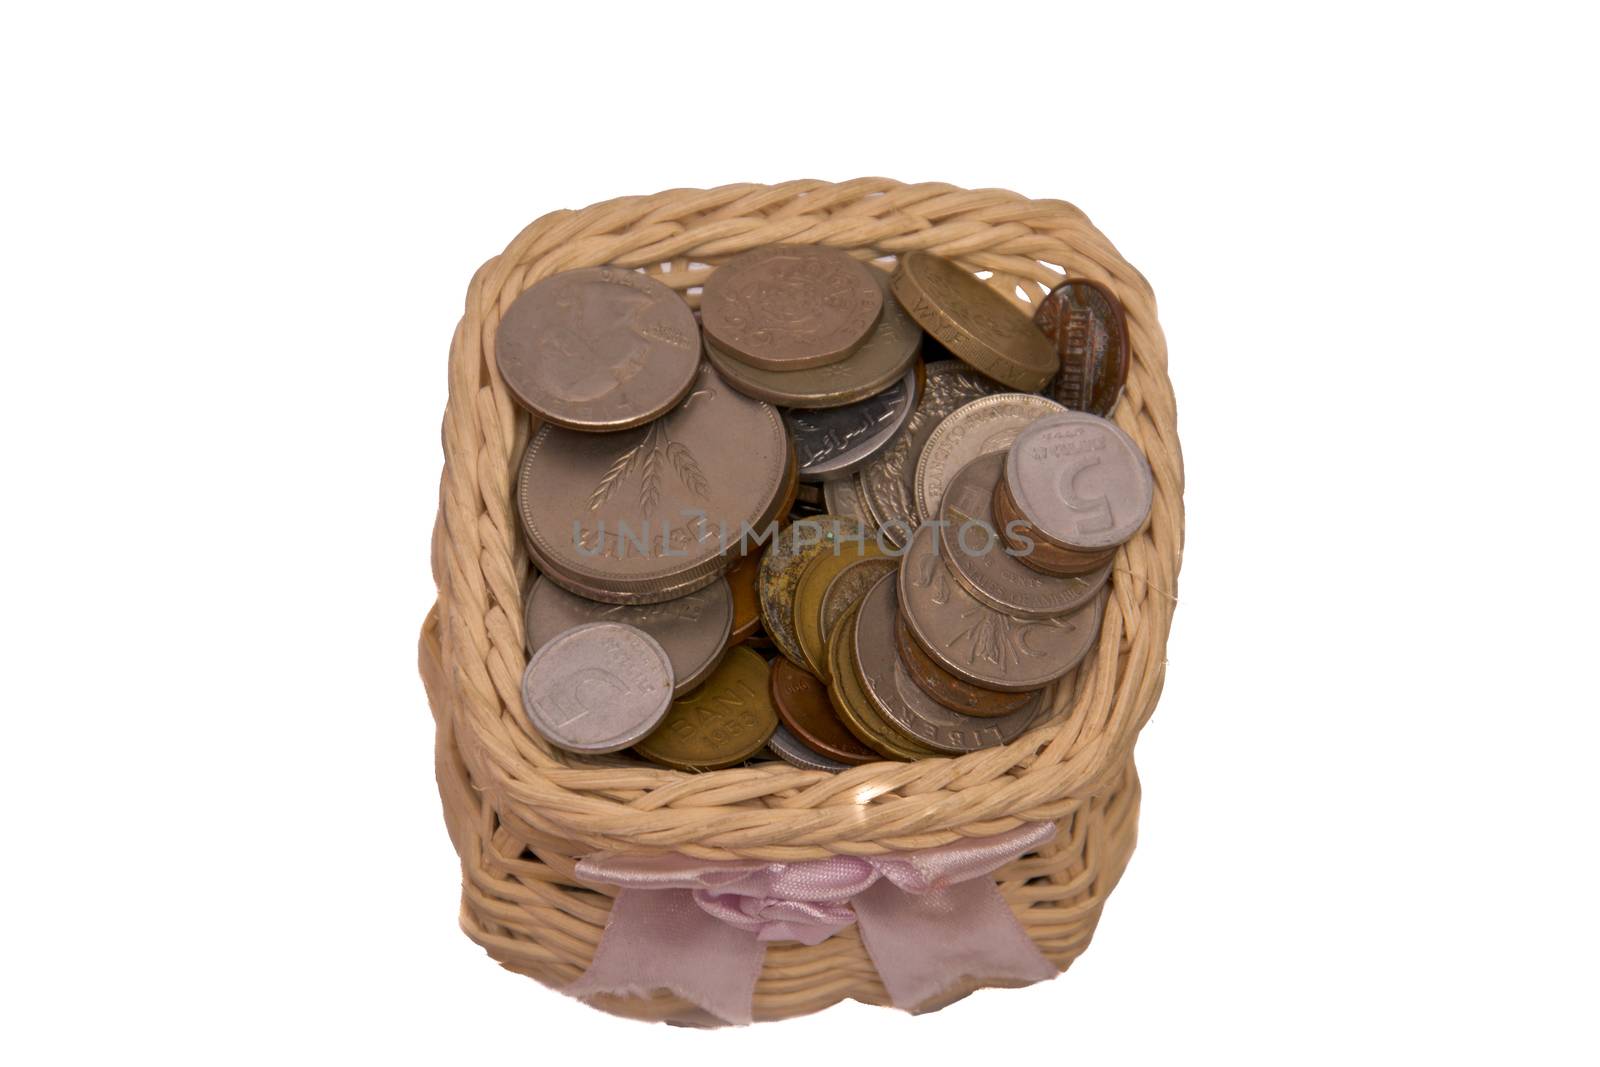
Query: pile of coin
(838, 517)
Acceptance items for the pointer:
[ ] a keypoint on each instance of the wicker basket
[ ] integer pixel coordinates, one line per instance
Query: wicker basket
(520, 813)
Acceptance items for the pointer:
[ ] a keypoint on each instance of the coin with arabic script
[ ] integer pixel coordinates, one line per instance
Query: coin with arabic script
(836, 442)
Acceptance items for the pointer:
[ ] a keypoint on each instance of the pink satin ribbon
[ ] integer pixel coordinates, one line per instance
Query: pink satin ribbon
(698, 928)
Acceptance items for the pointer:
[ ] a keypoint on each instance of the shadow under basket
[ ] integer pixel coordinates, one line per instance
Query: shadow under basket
(521, 814)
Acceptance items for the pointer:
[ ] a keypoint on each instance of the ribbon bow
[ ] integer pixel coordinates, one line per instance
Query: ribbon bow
(699, 928)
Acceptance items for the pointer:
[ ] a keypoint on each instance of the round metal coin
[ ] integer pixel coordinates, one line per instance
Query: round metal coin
(848, 587)
(836, 442)
(978, 644)
(723, 722)
(787, 747)
(802, 704)
(855, 708)
(597, 688)
(742, 581)
(1032, 547)
(815, 579)
(694, 630)
(793, 547)
(1080, 480)
(974, 321)
(1090, 332)
(843, 498)
(988, 424)
(945, 688)
(786, 307)
(598, 349)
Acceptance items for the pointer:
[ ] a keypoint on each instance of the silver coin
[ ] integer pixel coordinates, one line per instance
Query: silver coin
(597, 688)
(899, 699)
(843, 497)
(988, 424)
(1080, 480)
(887, 482)
(834, 443)
(693, 630)
(978, 644)
(971, 548)
(792, 750)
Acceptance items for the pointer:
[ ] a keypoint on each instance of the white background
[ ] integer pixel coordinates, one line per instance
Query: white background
(235, 243)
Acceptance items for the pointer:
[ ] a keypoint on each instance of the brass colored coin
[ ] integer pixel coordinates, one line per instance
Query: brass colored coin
(849, 697)
(1034, 548)
(945, 687)
(786, 557)
(746, 598)
(974, 321)
(976, 428)
(1090, 332)
(848, 587)
(788, 307)
(813, 584)
(725, 721)
(598, 349)
(803, 705)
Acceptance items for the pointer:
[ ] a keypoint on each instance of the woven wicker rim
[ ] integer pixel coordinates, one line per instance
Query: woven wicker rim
(473, 644)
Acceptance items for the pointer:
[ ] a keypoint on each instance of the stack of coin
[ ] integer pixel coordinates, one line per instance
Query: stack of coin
(816, 543)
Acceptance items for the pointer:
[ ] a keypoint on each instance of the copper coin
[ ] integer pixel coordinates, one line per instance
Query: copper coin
(976, 428)
(723, 722)
(648, 514)
(848, 587)
(693, 630)
(1032, 548)
(887, 484)
(855, 708)
(974, 321)
(946, 688)
(835, 443)
(785, 559)
(1080, 480)
(815, 579)
(972, 550)
(903, 704)
(789, 748)
(1090, 332)
(598, 349)
(802, 704)
(887, 353)
(978, 644)
(787, 307)
(742, 581)
(597, 688)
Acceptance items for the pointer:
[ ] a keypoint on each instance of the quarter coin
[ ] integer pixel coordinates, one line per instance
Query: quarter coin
(1090, 333)
(597, 688)
(1080, 480)
(723, 722)
(793, 547)
(803, 706)
(598, 349)
(693, 630)
(814, 581)
(848, 587)
(973, 551)
(787, 307)
(788, 748)
(836, 442)
(656, 512)
(988, 424)
(849, 696)
(974, 321)
(903, 705)
(945, 688)
(978, 644)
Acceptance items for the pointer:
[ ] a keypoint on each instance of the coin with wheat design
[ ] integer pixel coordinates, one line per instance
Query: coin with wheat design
(598, 349)
(597, 688)
(945, 688)
(654, 512)
(1090, 332)
(786, 557)
(974, 321)
(788, 307)
(978, 644)
(988, 424)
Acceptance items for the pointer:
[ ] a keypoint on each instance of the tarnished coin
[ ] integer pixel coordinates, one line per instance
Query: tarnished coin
(1090, 332)
(742, 582)
(1080, 480)
(978, 644)
(787, 747)
(888, 352)
(988, 424)
(903, 705)
(1034, 549)
(815, 578)
(971, 548)
(848, 587)
(945, 688)
(725, 721)
(693, 630)
(600, 348)
(803, 706)
(855, 708)
(843, 498)
(974, 321)
(597, 688)
(786, 307)
(835, 443)
(808, 495)
(887, 483)
(793, 547)
(655, 512)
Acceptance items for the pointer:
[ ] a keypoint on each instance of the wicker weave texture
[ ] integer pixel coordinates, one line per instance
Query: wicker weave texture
(521, 813)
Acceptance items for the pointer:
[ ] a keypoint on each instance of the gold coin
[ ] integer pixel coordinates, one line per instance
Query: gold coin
(793, 547)
(746, 600)
(725, 721)
(847, 588)
(974, 321)
(814, 582)
(849, 695)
